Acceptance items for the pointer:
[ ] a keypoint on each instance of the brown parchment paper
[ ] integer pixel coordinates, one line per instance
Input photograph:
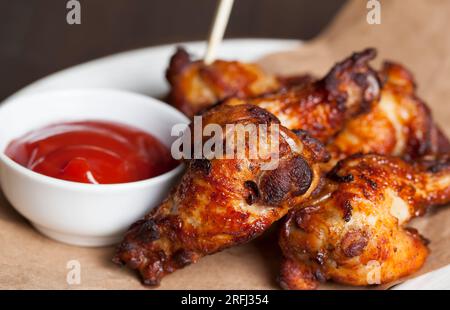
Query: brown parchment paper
(414, 32)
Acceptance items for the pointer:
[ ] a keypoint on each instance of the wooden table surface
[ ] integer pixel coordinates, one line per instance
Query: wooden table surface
(35, 39)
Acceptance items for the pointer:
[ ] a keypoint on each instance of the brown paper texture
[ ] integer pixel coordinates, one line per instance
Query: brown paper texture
(414, 32)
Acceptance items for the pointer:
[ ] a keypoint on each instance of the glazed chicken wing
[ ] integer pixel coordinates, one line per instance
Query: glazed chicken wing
(222, 202)
(196, 86)
(398, 124)
(323, 107)
(354, 232)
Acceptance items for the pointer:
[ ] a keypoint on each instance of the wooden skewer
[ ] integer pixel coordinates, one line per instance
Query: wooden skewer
(218, 29)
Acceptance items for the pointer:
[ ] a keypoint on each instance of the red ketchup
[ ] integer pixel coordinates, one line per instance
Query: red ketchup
(94, 152)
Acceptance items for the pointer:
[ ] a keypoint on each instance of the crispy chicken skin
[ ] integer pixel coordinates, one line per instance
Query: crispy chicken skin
(222, 202)
(354, 231)
(398, 124)
(196, 86)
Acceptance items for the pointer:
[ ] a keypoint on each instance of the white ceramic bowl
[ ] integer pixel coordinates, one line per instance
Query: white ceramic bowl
(77, 213)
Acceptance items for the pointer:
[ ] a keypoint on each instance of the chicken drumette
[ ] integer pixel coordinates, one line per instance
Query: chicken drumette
(354, 231)
(224, 202)
(398, 124)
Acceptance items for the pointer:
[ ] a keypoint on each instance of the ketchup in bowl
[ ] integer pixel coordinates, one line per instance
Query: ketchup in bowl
(96, 152)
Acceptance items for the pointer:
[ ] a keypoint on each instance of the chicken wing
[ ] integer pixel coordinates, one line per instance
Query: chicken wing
(222, 202)
(398, 124)
(323, 107)
(354, 231)
(196, 86)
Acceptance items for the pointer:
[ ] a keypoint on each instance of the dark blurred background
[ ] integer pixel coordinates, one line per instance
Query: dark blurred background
(35, 39)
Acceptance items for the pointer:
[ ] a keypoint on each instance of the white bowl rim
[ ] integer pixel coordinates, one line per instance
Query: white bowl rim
(85, 186)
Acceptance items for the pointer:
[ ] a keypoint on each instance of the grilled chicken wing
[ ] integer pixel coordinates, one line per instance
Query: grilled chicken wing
(323, 107)
(196, 86)
(398, 124)
(353, 109)
(354, 232)
(223, 202)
